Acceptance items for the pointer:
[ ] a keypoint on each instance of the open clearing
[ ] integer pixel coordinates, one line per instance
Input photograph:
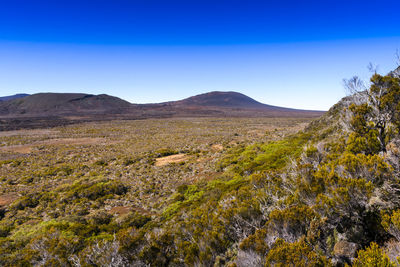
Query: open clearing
(126, 151)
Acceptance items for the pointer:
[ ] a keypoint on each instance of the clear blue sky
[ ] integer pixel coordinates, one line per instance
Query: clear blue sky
(286, 53)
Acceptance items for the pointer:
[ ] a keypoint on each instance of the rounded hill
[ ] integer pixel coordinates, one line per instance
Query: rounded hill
(63, 103)
(226, 100)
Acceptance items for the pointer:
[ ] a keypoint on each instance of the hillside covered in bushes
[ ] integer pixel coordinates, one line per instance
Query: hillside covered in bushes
(328, 195)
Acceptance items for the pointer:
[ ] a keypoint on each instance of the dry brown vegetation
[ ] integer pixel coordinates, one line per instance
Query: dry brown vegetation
(111, 172)
(151, 156)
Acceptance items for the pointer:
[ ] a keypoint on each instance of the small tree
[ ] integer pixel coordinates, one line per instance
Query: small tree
(377, 117)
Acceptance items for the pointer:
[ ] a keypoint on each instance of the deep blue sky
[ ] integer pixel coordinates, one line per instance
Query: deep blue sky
(289, 53)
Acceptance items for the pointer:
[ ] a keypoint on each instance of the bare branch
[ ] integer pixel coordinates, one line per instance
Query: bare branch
(372, 68)
(354, 85)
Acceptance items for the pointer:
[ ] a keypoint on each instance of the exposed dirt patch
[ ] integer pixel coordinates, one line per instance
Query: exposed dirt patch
(122, 210)
(119, 210)
(171, 159)
(217, 147)
(204, 159)
(7, 199)
(22, 149)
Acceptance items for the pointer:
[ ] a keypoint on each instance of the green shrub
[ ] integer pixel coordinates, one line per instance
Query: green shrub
(372, 256)
(294, 254)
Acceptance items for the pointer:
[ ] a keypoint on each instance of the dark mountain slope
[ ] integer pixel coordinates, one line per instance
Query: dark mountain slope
(51, 109)
(225, 100)
(10, 97)
(60, 104)
(225, 104)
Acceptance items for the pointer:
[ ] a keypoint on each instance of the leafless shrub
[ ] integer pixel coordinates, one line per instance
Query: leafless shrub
(354, 85)
(392, 249)
(106, 254)
(249, 258)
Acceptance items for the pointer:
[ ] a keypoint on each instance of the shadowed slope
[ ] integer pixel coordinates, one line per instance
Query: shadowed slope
(10, 97)
(60, 103)
(52, 109)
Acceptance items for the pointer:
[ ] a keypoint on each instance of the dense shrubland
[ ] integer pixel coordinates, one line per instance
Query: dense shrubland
(327, 195)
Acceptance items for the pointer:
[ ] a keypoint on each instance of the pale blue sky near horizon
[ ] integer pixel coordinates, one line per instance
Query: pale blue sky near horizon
(286, 53)
(305, 75)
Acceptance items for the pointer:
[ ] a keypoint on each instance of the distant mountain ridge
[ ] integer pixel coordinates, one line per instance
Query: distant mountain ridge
(53, 109)
(10, 97)
(228, 99)
(63, 103)
(221, 99)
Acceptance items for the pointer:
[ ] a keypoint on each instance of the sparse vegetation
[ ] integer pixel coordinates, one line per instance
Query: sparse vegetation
(75, 193)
